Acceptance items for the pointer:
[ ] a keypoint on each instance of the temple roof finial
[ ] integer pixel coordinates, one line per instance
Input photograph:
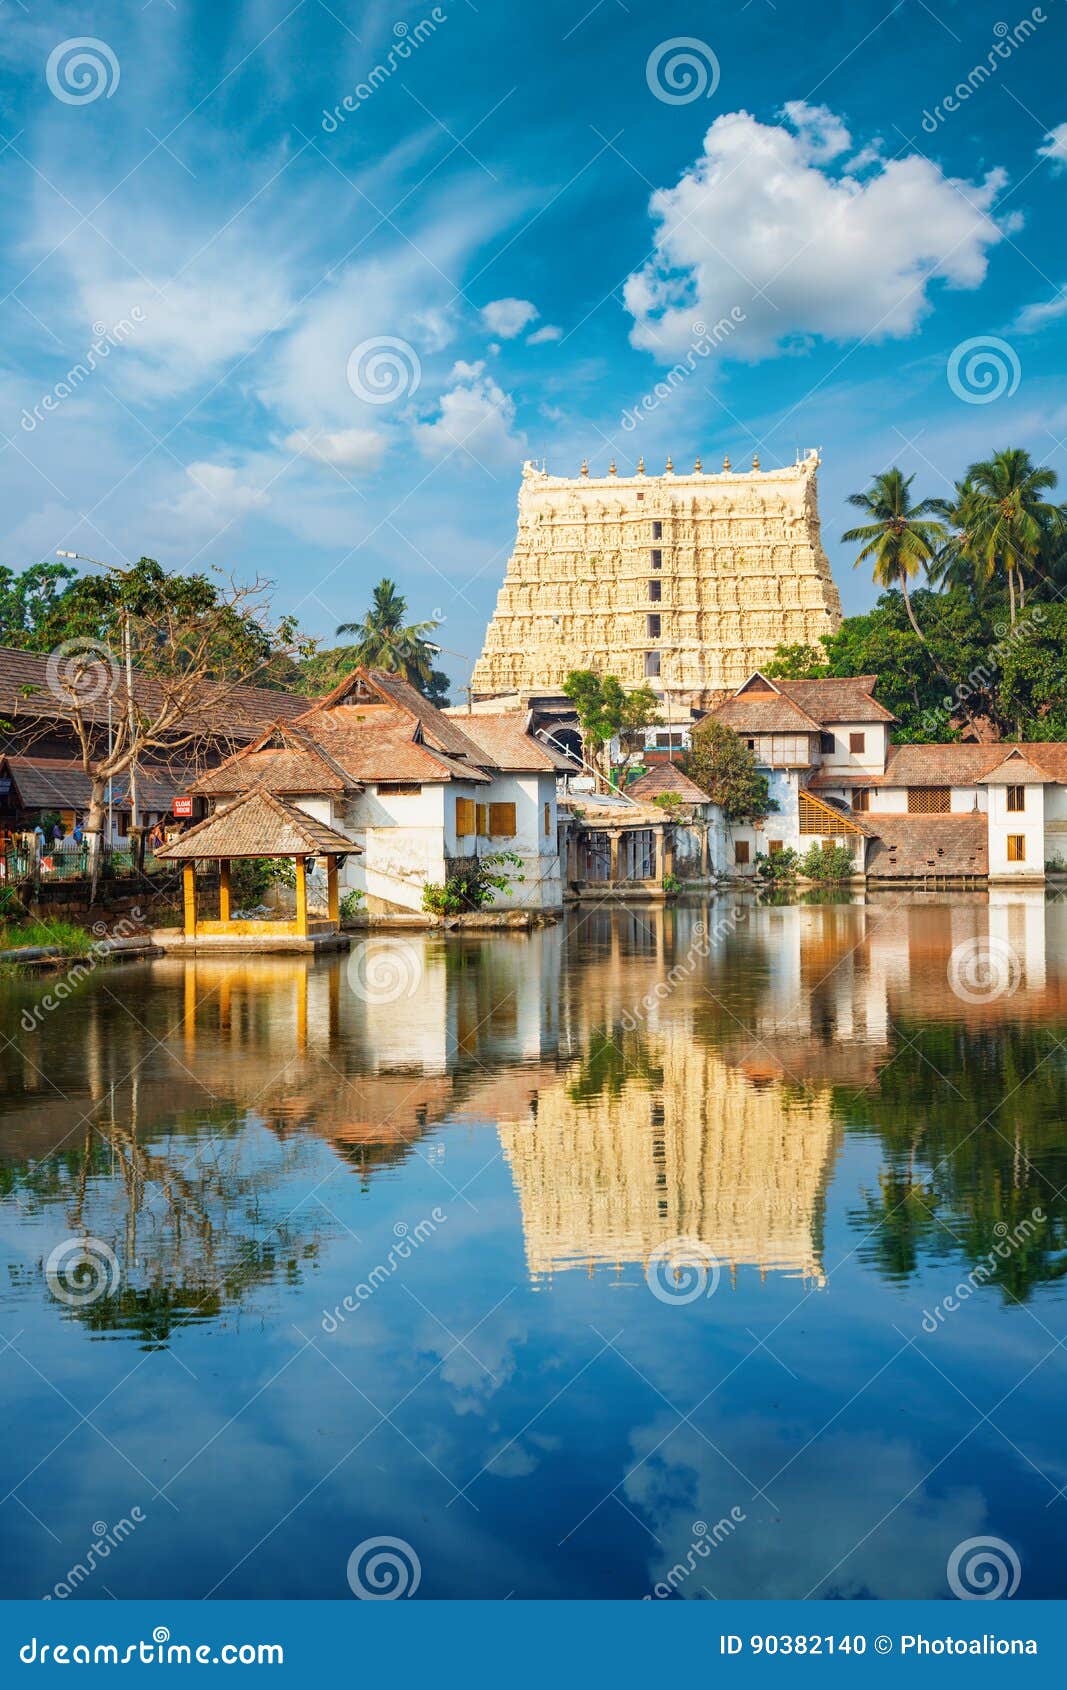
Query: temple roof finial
(698, 468)
(755, 460)
(585, 466)
(640, 466)
(726, 462)
(670, 465)
(611, 467)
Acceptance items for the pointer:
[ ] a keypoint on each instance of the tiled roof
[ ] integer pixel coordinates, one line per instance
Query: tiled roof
(378, 743)
(915, 846)
(667, 777)
(838, 699)
(765, 713)
(242, 714)
(371, 686)
(283, 760)
(951, 765)
(257, 825)
(49, 783)
(502, 739)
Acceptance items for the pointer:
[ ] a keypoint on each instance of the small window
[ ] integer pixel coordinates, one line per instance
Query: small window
(857, 743)
(657, 560)
(651, 664)
(657, 530)
(548, 817)
(640, 495)
(464, 817)
(740, 850)
(861, 799)
(1016, 799)
(751, 744)
(1016, 847)
(653, 627)
(655, 591)
(399, 788)
(827, 743)
(774, 846)
(501, 821)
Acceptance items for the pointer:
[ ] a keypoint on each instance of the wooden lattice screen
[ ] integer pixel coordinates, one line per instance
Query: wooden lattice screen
(823, 820)
(928, 800)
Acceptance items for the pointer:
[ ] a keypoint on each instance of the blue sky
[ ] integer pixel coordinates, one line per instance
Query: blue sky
(328, 334)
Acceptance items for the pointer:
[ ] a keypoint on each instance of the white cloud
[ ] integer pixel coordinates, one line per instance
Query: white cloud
(1034, 317)
(541, 336)
(475, 415)
(1055, 147)
(217, 497)
(508, 317)
(820, 133)
(346, 448)
(756, 222)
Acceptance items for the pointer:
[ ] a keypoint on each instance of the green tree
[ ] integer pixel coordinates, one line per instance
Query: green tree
(28, 603)
(724, 766)
(605, 710)
(384, 640)
(899, 538)
(1010, 524)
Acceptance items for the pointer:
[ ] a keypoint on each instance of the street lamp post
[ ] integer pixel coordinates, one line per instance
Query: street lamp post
(127, 661)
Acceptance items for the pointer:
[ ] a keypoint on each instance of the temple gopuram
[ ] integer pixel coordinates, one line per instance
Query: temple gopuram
(688, 581)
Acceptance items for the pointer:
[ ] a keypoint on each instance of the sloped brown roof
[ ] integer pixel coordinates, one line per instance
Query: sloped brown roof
(838, 698)
(915, 846)
(380, 743)
(438, 729)
(258, 825)
(47, 783)
(503, 739)
(243, 714)
(764, 712)
(952, 765)
(667, 777)
(283, 760)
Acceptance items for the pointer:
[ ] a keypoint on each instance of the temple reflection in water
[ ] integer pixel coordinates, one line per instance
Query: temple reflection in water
(652, 1074)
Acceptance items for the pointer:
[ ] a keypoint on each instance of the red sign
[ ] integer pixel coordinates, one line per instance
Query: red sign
(182, 807)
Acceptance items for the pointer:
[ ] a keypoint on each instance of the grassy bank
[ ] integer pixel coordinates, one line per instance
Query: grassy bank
(71, 939)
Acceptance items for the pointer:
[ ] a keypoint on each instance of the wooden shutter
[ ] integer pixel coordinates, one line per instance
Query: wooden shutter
(483, 821)
(1016, 847)
(464, 816)
(502, 821)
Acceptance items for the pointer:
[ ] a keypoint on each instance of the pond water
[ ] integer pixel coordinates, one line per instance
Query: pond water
(714, 1250)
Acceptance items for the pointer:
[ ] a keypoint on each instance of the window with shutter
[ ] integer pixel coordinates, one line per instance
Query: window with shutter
(741, 851)
(502, 821)
(483, 821)
(1016, 848)
(464, 817)
(548, 818)
(1016, 799)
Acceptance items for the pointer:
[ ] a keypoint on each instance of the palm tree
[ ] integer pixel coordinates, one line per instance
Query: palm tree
(1011, 524)
(384, 641)
(954, 566)
(899, 537)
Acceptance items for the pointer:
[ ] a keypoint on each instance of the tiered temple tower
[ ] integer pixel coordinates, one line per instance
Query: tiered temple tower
(688, 581)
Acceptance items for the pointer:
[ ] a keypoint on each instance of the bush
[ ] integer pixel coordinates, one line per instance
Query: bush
(671, 884)
(826, 861)
(472, 886)
(351, 904)
(782, 865)
(251, 877)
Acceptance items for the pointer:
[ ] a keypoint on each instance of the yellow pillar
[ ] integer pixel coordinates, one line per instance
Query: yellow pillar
(332, 894)
(301, 897)
(189, 898)
(224, 891)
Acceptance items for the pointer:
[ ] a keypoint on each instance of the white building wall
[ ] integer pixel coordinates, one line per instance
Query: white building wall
(1030, 824)
(871, 760)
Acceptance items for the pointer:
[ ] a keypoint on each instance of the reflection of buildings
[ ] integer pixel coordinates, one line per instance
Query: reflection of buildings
(695, 1150)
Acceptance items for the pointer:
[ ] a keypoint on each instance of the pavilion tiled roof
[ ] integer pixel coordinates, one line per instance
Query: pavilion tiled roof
(259, 824)
(909, 847)
(667, 777)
